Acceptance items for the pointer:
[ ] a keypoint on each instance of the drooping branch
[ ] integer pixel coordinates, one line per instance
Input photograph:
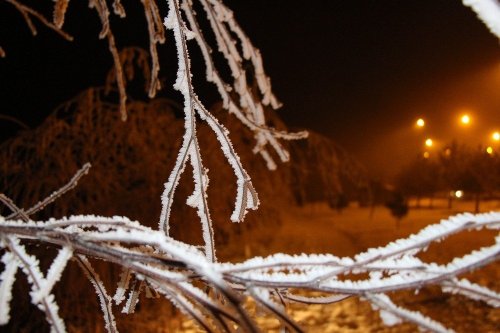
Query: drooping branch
(59, 13)
(27, 12)
(104, 299)
(190, 150)
(250, 108)
(156, 35)
(102, 9)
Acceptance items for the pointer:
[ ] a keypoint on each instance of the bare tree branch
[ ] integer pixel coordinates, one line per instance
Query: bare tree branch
(27, 12)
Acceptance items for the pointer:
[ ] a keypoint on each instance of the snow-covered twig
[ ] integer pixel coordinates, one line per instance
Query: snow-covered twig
(392, 314)
(156, 35)
(102, 10)
(123, 242)
(53, 197)
(27, 12)
(488, 11)
(104, 299)
(213, 293)
(472, 290)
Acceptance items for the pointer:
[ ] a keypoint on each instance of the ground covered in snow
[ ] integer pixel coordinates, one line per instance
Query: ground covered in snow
(316, 228)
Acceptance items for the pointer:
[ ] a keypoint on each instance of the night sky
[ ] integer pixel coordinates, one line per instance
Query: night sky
(360, 72)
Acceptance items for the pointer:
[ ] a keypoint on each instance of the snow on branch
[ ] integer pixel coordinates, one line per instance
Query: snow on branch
(28, 12)
(249, 110)
(392, 314)
(104, 299)
(488, 11)
(473, 291)
(239, 98)
(177, 269)
(215, 294)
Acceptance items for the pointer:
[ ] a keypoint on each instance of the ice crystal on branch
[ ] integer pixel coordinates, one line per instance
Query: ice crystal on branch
(213, 294)
(488, 11)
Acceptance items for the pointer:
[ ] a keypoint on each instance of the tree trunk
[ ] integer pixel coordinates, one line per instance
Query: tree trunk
(478, 198)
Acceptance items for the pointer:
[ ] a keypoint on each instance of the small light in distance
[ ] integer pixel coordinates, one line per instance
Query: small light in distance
(429, 142)
(496, 136)
(426, 154)
(420, 122)
(489, 150)
(459, 194)
(465, 119)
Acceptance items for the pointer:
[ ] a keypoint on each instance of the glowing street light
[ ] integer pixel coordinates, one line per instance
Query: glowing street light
(459, 194)
(426, 154)
(429, 142)
(465, 119)
(489, 150)
(496, 136)
(420, 122)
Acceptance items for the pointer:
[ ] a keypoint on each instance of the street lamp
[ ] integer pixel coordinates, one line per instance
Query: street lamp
(429, 142)
(420, 122)
(495, 136)
(489, 150)
(465, 119)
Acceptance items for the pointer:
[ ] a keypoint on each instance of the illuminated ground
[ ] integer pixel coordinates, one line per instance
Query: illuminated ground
(317, 228)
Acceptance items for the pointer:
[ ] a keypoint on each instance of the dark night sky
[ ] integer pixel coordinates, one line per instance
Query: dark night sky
(358, 71)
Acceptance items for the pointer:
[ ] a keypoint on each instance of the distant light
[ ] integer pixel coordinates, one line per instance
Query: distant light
(465, 119)
(426, 154)
(496, 136)
(447, 152)
(429, 142)
(459, 194)
(489, 150)
(420, 122)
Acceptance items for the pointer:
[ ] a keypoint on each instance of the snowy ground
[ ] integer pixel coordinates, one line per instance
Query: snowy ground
(317, 228)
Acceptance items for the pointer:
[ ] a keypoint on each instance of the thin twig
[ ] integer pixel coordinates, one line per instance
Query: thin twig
(27, 11)
(57, 194)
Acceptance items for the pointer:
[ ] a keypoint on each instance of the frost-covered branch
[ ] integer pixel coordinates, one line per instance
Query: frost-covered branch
(176, 269)
(102, 10)
(53, 197)
(488, 11)
(249, 110)
(214, 294)
(27, 12)
(473, 291)
(392, 314)
(104, 299)
(156, 33)
(240, 98)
